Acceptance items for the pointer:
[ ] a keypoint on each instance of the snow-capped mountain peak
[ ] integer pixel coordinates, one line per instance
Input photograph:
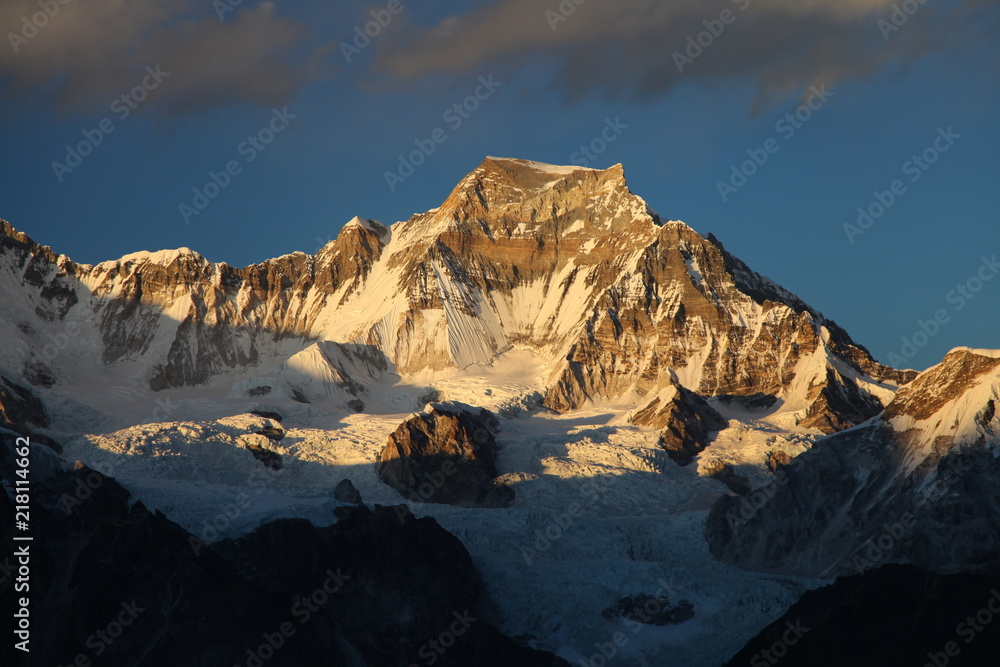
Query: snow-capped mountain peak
(564, 262)
(951, 405)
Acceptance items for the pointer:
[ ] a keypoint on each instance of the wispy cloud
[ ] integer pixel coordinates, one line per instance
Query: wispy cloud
(93, 50)
(625, 49)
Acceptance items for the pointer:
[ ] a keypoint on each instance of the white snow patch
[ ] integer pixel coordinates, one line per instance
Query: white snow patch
(161, 257)
(694, 270)
(993, 354)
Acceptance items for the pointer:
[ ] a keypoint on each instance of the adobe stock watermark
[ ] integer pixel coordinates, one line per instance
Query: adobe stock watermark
(786, 126)
(223, 7)
(588, 153)
(881, 545)
(20, 492)
(915, 167)
(364, 34)
(566, 9)
(948, 473)
(122, 107)
(104, 637)
(432, 650)
(562, 522)
(779, 649)
(454, 116)
(697, 44)
(60, 341)
(322, 243)
(249, 149)
(30, 25)
(900, 16)
(968, 629)
(85, 488)
(751, 503)
(303, 610)
(607, 651)
(214, 528)
(958, 297)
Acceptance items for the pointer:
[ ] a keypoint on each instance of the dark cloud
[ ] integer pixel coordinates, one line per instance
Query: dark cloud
(92, 51)
(626, 49)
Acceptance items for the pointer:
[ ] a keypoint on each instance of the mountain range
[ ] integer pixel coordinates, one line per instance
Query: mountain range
(628, 411)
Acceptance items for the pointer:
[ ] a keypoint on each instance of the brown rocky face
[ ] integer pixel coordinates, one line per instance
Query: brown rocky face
(947, 407)
(837, 403)
(686, 420)
(445, 455)
(723, 329)
(941, 384)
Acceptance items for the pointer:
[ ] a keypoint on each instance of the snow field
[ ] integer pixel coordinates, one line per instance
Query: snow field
(601, 512)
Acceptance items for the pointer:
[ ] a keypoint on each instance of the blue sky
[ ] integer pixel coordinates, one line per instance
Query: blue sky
(343, 125)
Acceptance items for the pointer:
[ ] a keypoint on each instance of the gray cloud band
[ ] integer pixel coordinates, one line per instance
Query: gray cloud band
(85, 53)
(627, 49)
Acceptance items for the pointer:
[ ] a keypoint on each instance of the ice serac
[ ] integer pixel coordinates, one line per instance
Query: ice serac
(563, 261)
(920, 484)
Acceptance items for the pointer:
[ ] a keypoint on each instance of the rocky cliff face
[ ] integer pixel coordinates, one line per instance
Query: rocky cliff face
(22, 412)
(920, 484)
(686, 421)
(446, 454)
(563, 261)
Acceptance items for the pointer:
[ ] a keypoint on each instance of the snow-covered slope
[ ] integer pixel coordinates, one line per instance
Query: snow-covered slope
(920, 484)
(952, 406)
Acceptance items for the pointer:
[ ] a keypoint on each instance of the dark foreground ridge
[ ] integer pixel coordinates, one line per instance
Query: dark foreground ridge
(115, 584)
(895, 615)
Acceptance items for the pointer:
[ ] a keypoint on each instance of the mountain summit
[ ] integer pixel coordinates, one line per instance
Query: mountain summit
(564, 262)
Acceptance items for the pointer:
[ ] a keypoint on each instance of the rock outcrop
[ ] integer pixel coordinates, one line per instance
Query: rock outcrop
(686, 419)
(346, 492)
(726, 474)
(446, 454)
(650, 610)
(22, 412)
